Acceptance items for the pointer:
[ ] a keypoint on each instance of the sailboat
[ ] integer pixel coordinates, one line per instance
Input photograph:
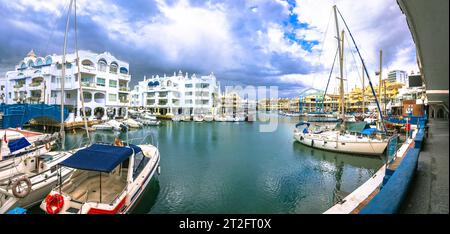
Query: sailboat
(354, 138)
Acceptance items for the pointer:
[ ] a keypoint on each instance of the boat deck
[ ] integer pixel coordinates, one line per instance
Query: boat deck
(88, 189)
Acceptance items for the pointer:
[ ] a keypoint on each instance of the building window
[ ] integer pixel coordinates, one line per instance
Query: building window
(3, 87)
(68, 95)
(188, 101)
(123, 70)
(113, 83)
(112, 97)
(188, 85)
(113, 68)
(101, 82)
(102, 65)
(188, 93)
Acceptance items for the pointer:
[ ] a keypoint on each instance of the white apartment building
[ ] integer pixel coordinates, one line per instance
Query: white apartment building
(177, 94)
(398, 76)
(104, 80)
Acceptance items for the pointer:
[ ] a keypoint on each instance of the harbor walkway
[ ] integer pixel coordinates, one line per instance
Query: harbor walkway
(428, 192)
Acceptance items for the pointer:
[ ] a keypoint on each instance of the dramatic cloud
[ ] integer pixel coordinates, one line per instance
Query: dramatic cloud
(289, 44)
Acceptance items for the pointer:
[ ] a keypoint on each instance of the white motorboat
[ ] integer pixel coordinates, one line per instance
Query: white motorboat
(229, 118)
(219, 118)
(116, 125)
(107, 179)
(239, 118)
(208, 118)
(187, 118)
(177, 118)
(131, 123)
(147, 119)
(105, 127)
(198, 118)
(363, 142)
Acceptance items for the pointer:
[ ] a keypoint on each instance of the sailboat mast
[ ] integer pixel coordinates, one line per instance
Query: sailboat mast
(363, 93)
(63, 78)
(379, 80)
(79, 75)
(341, 64)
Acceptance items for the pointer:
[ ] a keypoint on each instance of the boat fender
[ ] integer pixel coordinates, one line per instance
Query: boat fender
(301, 138)
(47, 146)
(21, 193)
(312, 142)
(54, 203)
(159, 170)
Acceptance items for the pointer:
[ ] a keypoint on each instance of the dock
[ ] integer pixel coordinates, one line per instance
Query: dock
(428, 192)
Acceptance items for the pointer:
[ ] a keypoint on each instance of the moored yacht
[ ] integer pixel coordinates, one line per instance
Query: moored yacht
(363, 140)
(198, 118)
(208, 117)
(107, 179)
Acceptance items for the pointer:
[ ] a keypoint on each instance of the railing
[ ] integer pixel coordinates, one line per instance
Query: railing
(126, 89)
(18, 86)
(392, 194)
(35, 84)
(88, 84)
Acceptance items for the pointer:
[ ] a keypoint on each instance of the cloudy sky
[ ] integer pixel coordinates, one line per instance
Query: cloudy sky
(285, 43)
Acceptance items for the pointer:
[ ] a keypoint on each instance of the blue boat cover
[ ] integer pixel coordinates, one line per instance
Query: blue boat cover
(368, 131)
(18, 144)
(100, 157)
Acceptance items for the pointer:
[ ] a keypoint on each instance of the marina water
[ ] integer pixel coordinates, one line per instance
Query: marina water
(227, 167)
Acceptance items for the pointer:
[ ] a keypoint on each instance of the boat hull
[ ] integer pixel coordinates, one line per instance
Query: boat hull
(360, 148)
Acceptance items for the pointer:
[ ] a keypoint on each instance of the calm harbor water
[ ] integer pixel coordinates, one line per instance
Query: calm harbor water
(223, 167)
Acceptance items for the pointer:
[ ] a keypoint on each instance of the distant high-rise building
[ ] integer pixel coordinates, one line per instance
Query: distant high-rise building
(398, 76)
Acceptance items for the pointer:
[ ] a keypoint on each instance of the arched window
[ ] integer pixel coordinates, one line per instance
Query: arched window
(87, 62)
(23, 65)
(123, 70)
(102, 65)
(68, 65)
(113, 68)
(48, 61)
(39, 62)
(30, 63)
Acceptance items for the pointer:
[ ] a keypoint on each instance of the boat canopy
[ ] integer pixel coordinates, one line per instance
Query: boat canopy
(100, 157)
(357, 126)
(18, 144)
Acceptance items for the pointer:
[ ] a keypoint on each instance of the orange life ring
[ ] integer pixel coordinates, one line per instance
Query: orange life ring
(54, 203)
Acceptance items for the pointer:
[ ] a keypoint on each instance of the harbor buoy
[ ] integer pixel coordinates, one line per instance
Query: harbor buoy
(21, 193)
(54, 203)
